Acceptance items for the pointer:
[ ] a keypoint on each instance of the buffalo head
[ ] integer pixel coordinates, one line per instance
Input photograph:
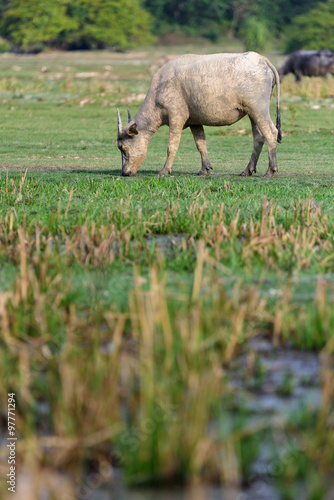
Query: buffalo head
(132, 143)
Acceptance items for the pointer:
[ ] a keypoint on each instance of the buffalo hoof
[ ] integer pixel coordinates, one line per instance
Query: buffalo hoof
(245, 174)
(270, 173)
(163, 173)
(203, 172)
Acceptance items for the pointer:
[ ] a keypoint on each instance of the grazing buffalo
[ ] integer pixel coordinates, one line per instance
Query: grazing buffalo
(194, 90)
(308, 63)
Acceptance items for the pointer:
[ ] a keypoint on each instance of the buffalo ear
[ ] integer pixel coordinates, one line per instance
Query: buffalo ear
(133, 130)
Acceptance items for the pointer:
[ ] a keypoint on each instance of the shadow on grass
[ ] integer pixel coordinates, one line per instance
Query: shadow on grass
(150, 173)
(111, 172)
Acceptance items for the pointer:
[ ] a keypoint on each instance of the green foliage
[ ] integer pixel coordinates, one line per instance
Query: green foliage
(194, 13)
(200, 17)
(255, 34)
(108, 23)
(37, 21)
(213, 19)
(76, 24)
(93, 24)
(281, 13)
(314, 30)
(4, 46)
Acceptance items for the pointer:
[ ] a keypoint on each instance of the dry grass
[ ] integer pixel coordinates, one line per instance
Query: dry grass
(308, 88)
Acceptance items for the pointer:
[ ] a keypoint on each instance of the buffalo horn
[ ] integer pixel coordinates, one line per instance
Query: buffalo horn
(119, 123)
(129, 116)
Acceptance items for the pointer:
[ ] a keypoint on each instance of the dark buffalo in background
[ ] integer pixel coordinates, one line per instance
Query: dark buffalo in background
(308, 63)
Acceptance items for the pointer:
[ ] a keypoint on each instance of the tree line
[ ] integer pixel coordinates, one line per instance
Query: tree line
(31, 25)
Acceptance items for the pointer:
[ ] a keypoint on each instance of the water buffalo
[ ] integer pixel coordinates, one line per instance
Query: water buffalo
(308, 63)
(196, 90)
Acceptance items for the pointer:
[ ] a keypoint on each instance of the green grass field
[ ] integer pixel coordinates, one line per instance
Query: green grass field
(126, 304)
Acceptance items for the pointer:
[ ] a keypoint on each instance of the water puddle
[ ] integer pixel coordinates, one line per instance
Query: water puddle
(266, 492)
(278, 380)
(166, 242)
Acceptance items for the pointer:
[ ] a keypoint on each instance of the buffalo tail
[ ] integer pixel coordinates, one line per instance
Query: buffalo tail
(278, 124)
(278, 111)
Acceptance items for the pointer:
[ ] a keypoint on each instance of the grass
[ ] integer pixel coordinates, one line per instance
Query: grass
(123, 302)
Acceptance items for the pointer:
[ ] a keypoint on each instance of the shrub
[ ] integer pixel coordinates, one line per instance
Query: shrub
(77, 24)
(255, 34)
(314, 30)
(4, 46)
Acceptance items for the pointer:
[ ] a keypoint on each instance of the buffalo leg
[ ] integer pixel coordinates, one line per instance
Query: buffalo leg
(175, 132)
(200, 140)
(269, 132)
(258, 141)
(298, 76)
